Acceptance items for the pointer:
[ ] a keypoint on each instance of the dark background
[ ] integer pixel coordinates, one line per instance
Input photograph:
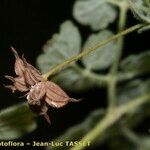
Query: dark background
(27, 25)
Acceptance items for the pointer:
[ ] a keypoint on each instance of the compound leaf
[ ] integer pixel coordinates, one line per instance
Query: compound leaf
(102, 57)
(133, 89)
(74, 80)
(130, 91)
(98, 14)
(16, 121)
(138, 64)
(61, 47)
(141, 11)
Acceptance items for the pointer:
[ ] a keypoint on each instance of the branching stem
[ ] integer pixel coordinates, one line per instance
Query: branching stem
(114, 69)
(61, 66)
(111, 118)
(111, 79)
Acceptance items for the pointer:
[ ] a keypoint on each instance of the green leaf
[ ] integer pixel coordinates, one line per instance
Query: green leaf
(137, 64)
(129, 141)
(77, 132)
(102, 57)
(141, 11)
(61, 47)
(145, 142)
(58, 49)
(98, 14)
(130, 91)
(16, 121)
(74, 79)
(133, 89)
(119, 142)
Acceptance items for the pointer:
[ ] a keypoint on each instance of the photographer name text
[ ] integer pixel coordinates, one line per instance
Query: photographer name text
(47, 143)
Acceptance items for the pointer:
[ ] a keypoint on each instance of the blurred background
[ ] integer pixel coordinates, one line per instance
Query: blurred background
(27, 25)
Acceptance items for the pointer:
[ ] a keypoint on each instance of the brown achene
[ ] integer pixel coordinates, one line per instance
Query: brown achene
(40, 93)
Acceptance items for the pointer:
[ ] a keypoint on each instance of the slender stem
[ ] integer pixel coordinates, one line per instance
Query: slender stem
(104, 80)
(111, 118)
(59, 67)
(131, 136)
(124, 76)
(112, 93)
(121, 25)
(77, 68)
(114, 2)
(114, 69)
(99, 79)
(102, 125)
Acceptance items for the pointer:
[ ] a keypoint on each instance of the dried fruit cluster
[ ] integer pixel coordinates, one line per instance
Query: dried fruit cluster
(40, 92)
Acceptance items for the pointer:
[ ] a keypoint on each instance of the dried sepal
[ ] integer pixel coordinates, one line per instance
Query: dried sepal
(33, 71)
(55, 96)
(50, 92)
(11, 87)
(37, 92)
(18, 84)
(40, 93)
(40, 110)
(27, 75)
(19, 64)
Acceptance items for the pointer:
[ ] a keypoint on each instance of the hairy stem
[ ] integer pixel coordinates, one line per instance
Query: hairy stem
(114, 69)
(131, 135)
(59, 67)
(111, 118)
(99, 79)
(103, 80)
